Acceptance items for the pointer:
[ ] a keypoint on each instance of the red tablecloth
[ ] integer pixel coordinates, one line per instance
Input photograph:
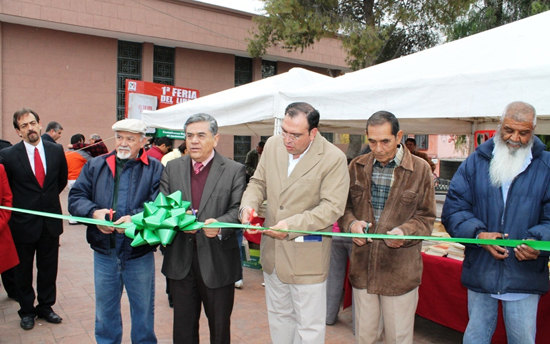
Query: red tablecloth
(444, 300)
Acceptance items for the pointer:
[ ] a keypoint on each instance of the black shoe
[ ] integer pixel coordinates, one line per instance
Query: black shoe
(52, 318)
(13, 297)
(170, 301)
(27, 323)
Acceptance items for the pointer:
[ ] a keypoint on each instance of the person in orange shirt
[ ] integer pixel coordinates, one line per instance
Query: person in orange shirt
(76, 159)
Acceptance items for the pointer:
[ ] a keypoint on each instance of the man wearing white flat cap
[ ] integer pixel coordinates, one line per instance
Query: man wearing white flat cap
(115, 186)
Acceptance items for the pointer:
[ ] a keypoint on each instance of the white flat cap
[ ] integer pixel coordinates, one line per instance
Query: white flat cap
(130, 125)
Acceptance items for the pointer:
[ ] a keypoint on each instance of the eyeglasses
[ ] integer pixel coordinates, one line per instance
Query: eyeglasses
(289, 136)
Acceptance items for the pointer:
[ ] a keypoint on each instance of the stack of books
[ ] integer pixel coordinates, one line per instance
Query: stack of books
(456, 251)
(443, 249)
(439, 250)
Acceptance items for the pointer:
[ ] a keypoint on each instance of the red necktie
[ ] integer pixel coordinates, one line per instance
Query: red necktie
(39, 168)
(198, 167)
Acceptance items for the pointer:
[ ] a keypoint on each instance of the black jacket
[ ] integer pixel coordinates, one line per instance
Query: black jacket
(28, 194)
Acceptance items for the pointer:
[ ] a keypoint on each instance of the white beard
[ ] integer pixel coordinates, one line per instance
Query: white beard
(507, 163)
(123, 154)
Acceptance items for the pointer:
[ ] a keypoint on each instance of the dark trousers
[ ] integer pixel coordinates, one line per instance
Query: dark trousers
(47, 252)
(8, 280)
(162, 248)
(188, 294)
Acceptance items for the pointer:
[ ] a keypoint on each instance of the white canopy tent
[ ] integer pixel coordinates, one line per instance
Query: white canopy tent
(454, 88)
(245, 110)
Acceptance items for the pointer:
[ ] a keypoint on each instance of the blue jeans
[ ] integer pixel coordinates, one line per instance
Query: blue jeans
(111, 275)
(520, 319)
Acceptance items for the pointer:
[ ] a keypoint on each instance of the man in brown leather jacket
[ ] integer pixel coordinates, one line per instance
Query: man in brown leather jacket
(391, 192)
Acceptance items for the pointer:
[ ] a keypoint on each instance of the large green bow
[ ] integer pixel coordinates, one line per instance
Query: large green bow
(160, 221)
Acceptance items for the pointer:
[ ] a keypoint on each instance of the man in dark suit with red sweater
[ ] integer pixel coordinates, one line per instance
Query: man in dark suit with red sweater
(203, 266)
(37, 173)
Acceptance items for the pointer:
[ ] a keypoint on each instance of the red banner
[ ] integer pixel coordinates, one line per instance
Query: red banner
(152, 96)
(481, 136)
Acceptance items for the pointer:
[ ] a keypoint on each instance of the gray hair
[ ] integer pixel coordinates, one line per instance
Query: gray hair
(54, 126)
(382, 117)
(95, 137)
(521, 112)
(202, 117)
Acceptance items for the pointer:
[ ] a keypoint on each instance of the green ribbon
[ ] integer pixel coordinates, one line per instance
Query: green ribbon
(537, 245)
(166, 215)
(68, 217)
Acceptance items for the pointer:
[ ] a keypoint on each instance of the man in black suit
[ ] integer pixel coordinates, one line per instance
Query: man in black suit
(37, 172)
(203, 266)
(4, 144)
(53, 132)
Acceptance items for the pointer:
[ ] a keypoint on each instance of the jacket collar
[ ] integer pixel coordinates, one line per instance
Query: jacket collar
(406, 163)
(307, 162)
(486, 149)
(111, 160)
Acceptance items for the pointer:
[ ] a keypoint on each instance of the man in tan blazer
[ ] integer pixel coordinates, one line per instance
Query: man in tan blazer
(305, 181)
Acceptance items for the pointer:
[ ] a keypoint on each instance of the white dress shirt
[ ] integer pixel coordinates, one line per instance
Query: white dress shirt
(30, 154)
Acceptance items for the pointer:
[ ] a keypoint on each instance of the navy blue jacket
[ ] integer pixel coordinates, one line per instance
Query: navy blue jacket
(139, 183)
(473, 205)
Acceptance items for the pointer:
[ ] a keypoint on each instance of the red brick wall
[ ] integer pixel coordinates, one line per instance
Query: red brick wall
(65, 77)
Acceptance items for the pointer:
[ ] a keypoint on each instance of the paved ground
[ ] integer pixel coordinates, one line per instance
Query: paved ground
(75, 304)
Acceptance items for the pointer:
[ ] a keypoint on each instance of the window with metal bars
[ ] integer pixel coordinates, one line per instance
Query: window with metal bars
(128, 67)
(269, 68)
(241, 147)
(163, 65)
(243, 75)
(329, 137)
(422, 141)
(243, 70)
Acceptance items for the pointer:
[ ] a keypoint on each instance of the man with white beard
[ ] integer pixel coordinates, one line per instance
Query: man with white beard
(502, 191)
(114, 187)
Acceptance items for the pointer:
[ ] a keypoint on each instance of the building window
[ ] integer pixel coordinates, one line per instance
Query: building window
(329, 137)
(243, 70)
(129, 67)
(269, 68)
(264, 138)
(422, 141)
(163, 65)
(241, 147)
(243, 75)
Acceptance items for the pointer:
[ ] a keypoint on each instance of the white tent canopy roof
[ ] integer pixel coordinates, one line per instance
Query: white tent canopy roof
(447, 88)
(245, 110)
(454, 88)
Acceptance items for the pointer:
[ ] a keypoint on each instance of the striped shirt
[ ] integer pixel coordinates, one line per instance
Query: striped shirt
(382, 180)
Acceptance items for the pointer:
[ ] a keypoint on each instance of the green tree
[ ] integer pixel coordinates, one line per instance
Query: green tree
(371, 31)
(487, 14)
(546, 140)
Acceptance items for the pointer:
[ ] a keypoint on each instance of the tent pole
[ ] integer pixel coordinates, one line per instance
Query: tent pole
(471, 138)
(277, 126)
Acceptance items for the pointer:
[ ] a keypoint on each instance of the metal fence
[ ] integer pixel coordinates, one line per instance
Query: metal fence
(441, 185)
